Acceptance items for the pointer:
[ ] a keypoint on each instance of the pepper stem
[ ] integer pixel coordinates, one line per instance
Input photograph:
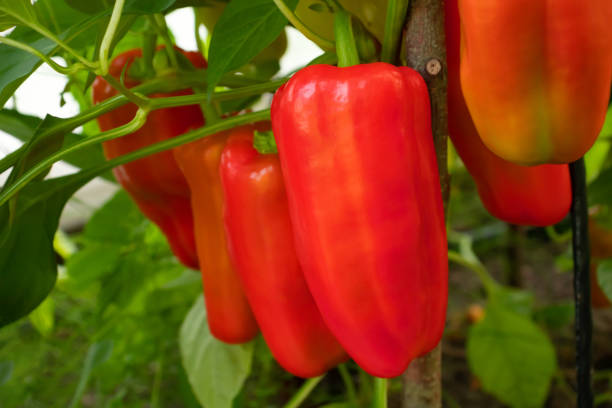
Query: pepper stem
(380, 393)
(396, 14)
(345, 39)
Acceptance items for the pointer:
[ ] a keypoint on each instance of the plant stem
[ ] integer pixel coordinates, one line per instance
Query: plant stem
(305, 390)
(396, 14)
(159, 22)
(380, 393)
(130, 127)
(135, 155)
(348, 383)
(109, 34)
(426, 53)
(345, 39)
(298, 24)
(142, 102)
(69, 70)
(582, 285)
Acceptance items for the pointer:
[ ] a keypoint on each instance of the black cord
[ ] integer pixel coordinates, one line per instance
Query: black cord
(582, 285)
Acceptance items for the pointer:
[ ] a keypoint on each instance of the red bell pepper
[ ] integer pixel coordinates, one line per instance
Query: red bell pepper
(155, 182)
(357, 154)
(229, 316)
(536, 75)
(260, 238)
(537, 195)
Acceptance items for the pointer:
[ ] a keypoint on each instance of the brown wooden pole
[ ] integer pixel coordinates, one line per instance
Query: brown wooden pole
(426, 53)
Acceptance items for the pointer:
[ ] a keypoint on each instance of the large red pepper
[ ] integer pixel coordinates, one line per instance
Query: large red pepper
(155, 182)
(537, 195)
(357, 154)
(260, 238)
(229, 316)
(536, 75)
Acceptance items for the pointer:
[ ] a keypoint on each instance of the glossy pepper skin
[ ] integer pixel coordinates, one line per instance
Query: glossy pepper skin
(536, 75)
(524, 195)
(600, 240)
(357, 155)
(155, 182)
(260, 238)
(229, 316)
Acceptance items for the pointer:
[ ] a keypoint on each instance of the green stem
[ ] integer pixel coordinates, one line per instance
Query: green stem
(225, 124)
(396, 14)
(298, 24)
(348, 383)
(380, 393)
(130, 127)
(142, 102)
(305, 390)
(345, 40)
(159, 22)
(556, 237)
(486, 279)
(109, 34)
(69, 70)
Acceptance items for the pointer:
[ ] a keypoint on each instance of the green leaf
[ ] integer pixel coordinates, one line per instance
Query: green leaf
(105, 226)
(264, 142)
(512, 357)
(43, 318)
(516, 300)
(596, 156)
(16, 12)
(6, 370)
(97, 354)
(555, 316)
(131, 6)
(599, 190)
(26, 128)
(87, 266)
(28, 268)
(216, 371)
(245, 28)
(604, 277)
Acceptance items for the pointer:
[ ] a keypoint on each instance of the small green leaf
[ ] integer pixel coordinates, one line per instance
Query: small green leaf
(43, 317)
(105, 227)
(87, 266)
(604, 277)
(233, 45)
(264, 142)
(516, 300)
(216, 371)
(512, 357)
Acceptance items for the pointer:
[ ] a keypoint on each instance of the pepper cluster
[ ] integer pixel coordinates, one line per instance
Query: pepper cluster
(335, 246)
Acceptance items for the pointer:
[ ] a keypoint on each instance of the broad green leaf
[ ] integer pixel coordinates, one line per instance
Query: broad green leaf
(97, 354)
(105, 227)
(604, 277)
(516, 300)
(596, 156)
(16, 12)
(6, 370)
(245, 28)
(43, 317)
(216, 371)
(28, 268)
(555, 316)
(512, 357)
(87, 266)
(600, 190)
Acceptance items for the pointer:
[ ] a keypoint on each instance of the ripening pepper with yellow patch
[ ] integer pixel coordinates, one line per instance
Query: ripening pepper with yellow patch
(524, 195)
(536, 75)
